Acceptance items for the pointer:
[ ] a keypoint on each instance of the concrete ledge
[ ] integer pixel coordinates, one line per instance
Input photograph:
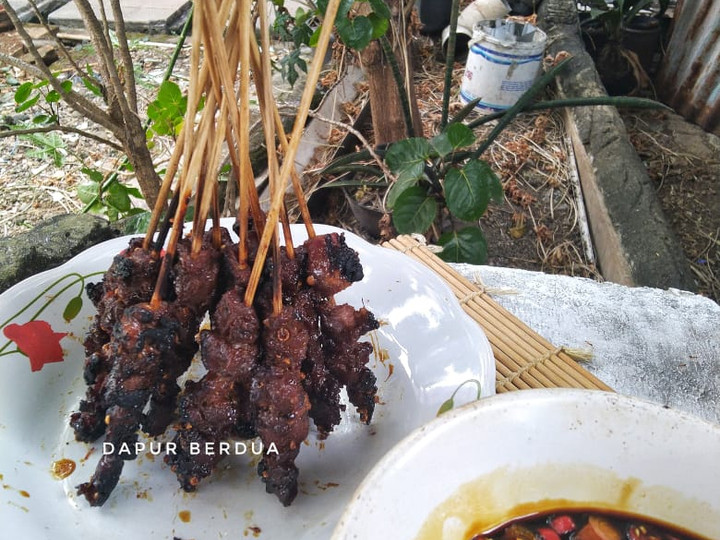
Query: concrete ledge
(26, 13)
(159, 17)
(634, 242)
(48, 245)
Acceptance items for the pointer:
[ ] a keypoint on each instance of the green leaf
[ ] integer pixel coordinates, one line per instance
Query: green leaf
(379, 24)
(25, 105)
(408, 156)
(53, 96)
(466, 245)
(111, 213)
(134, 192)
(93, 174)
(66, 85)
(454, 137)
(23, 92)
(459, 135)
(469, 190)
(92, 86)
(117, 197)
(301, 34)
(313, 41)
(87, 192)
(73, 308)
(169, 93)
(380, 8)
(399, 187)
(414, 211)
(290, 65)
(137, 222)
(356, 33)
(41, 119)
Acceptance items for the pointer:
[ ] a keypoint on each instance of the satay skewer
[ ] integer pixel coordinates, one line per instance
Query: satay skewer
(282, 138)
(289, 157)
(187, 185)
(245, 30)
(222, 66)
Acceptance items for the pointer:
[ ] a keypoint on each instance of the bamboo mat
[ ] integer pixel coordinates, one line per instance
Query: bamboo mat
(523, 359)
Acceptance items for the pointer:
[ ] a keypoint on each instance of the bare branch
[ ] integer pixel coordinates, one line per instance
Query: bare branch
(20, 64)
(108, 67)
(347, 127)
(58, 43)
(78, 102)
(125, 55)
(63, 129)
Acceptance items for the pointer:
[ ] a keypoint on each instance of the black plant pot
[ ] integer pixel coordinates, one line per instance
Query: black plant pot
(367, 217)
(643, 37)
(593, 35)
(434, 15)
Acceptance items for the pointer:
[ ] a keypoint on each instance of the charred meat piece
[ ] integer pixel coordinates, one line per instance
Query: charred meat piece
(322, 387)
(282, 405)
(139, 341)
(332, 266)
(129, 280)
(217, 406)
(195, 278)
(346, 357)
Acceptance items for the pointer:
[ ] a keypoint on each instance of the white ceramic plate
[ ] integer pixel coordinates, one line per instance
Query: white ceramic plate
(432, 346)
(472, 469)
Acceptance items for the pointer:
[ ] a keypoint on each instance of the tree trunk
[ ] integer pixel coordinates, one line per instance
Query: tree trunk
(385, 104)
(135, 144)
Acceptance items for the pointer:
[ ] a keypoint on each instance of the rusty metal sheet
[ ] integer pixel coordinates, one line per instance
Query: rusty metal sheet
(690, 77)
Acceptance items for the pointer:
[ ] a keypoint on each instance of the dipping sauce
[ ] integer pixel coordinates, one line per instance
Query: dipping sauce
(62, 468)
(586, 525)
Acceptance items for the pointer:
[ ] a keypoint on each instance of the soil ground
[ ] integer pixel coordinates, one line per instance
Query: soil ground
(684, 162)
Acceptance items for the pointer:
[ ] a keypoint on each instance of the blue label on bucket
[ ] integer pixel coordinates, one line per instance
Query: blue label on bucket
(481, 104)
(500, 58)
(515, 86)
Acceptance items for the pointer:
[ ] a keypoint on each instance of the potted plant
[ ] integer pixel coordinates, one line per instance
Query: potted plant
(623, 37)
(439, 185)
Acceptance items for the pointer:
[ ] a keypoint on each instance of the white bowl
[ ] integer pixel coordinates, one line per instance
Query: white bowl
(476, 467)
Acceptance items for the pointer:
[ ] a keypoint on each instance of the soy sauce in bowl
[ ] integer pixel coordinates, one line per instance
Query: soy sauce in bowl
(586, 525)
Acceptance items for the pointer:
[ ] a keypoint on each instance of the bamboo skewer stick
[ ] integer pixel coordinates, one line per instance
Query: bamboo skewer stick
(224, 66)
(272, 118)
(167, 222)
(282, 137)
(244, 167)
(273, 168)
(191, 172)
(188, 124)
(289, 157)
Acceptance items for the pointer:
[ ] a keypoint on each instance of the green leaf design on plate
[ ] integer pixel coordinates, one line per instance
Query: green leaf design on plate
(73, 308)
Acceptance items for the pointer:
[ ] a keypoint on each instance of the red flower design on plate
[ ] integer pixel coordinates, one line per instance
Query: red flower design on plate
(36, 340)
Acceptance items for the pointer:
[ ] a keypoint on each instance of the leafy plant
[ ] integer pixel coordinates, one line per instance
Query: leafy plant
(167, 111)
(440, 186)
(431, 179)
(354, 30)
(115, 201)
(619, 14)
(47, 145)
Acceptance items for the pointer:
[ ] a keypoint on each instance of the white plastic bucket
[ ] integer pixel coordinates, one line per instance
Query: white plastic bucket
(504, 59)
